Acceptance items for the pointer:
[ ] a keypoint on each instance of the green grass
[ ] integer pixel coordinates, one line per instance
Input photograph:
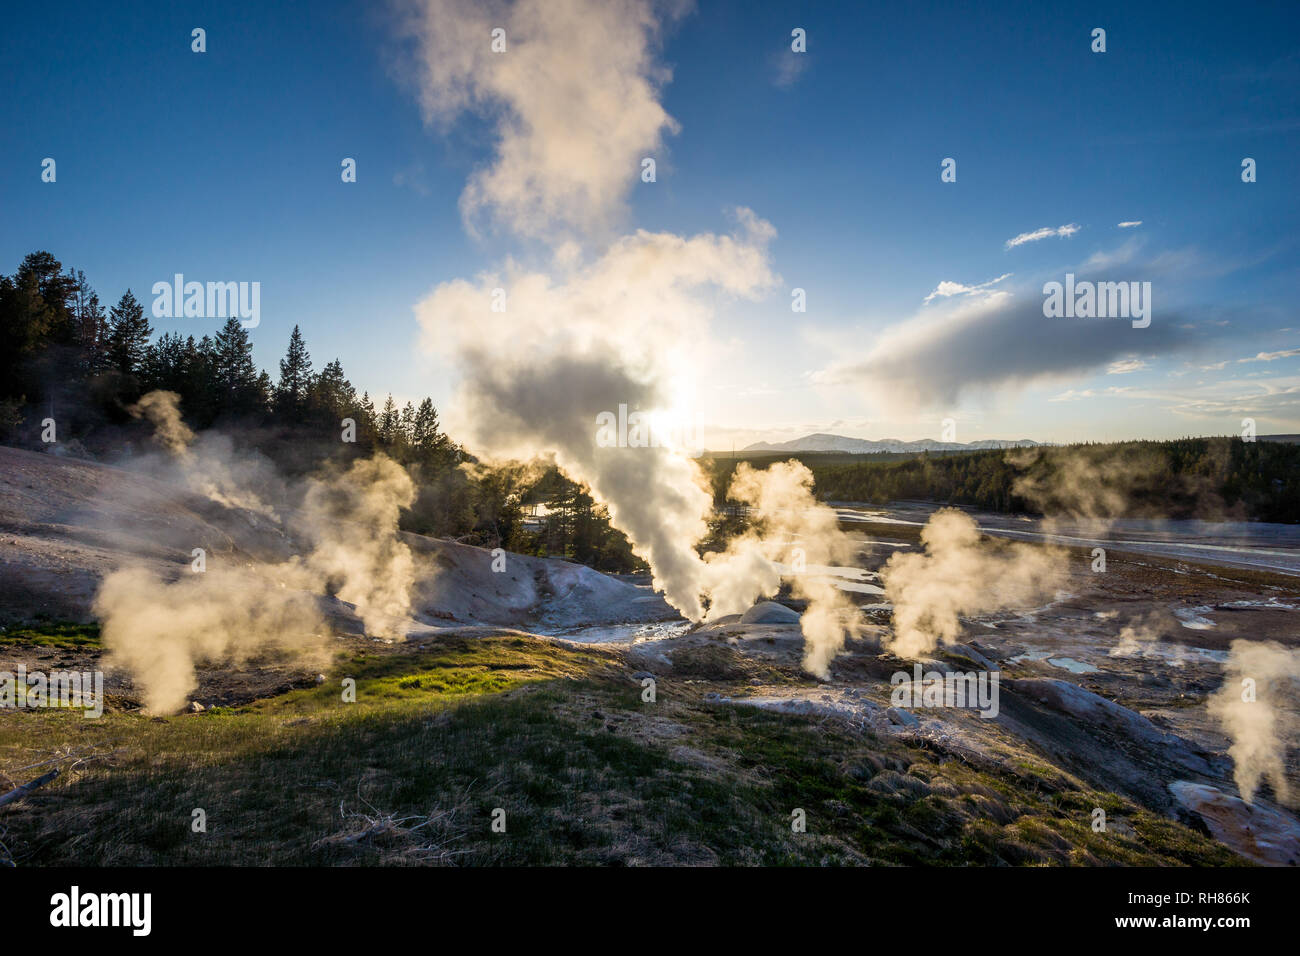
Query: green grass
(53, 634)
(560, 740)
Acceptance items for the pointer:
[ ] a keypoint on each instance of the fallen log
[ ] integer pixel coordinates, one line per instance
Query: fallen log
(17, 793)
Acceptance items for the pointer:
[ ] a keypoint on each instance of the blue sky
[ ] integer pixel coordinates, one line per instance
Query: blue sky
(225, 166)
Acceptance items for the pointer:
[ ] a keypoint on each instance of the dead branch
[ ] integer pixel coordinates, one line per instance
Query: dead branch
(70, 759)
(19, 792)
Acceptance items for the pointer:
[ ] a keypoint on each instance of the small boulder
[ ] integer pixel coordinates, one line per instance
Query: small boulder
(769, 612)
(901, 717)
(964, 652)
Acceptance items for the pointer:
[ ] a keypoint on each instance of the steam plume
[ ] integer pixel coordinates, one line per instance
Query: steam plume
(209, 464)
(1142, 636)
(958, 574)
(351, 521)
(158, 631)
(1260, 720)
(536, 377)
(574, 94)
(788, 522)
(1094, 487)
(347, 523)
(575, 103)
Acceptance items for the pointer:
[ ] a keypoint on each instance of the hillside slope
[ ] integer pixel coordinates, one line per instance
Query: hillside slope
(65, 524)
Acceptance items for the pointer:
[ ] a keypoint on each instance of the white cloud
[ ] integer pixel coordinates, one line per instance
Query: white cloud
(1046, 232)
(1124, 366)
(1075, 395)
(789, 66)
(1271, 356)
(980, 344)
(1131, 223)
(947, 288)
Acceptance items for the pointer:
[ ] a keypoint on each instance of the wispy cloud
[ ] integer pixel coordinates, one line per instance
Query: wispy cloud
(1270, 356)
(947, 288)
(788, 67)
(1257, 357)
(1046, 232)
(1124, 366)
(1077, 395)
(413, 177)
(1131, 223)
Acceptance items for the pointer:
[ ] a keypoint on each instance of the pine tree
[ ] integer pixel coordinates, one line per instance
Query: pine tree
(366, 425)
(295, 379)
(199, 378)
(92, 327)
(388, 423)
(331, 397)
(234, 373)
(128, 335)
(424, 430)
(432, 446)
(163, 365)
(406, 427)
(44, 273)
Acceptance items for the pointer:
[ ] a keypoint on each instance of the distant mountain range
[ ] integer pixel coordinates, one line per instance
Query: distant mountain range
(862, 446)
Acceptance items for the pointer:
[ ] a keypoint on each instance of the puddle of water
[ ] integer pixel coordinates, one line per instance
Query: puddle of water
(624, 633)
(859, 587)
(1190, 617)
(1175, 654)
(1071, 665)
(1272, 604)
(849, 579)
(1064, 663)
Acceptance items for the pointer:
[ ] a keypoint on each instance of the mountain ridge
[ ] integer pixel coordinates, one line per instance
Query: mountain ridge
(823, 442)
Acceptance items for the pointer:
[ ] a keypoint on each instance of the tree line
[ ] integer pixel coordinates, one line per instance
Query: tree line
(1210, 478)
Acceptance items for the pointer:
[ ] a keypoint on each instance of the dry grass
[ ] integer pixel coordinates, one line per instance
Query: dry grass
(560, 740)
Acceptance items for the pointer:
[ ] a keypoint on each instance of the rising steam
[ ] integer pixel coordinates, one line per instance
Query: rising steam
(959, 574)
(573, 89)
(209, 465)
(1257, 708)
(159, 630)
(1093, 487)
(351, 520)
(789, 525)
(347, 525)
(625, 327)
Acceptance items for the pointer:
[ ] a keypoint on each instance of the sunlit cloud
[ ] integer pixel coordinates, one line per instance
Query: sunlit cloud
(1271, 356)
(947, 288)
(1124, 366)
(974, 345)
(1063, 232)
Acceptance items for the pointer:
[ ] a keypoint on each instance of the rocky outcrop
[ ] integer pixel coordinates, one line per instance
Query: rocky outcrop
(769, 612)
(1086, 706)
(1258, 832)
